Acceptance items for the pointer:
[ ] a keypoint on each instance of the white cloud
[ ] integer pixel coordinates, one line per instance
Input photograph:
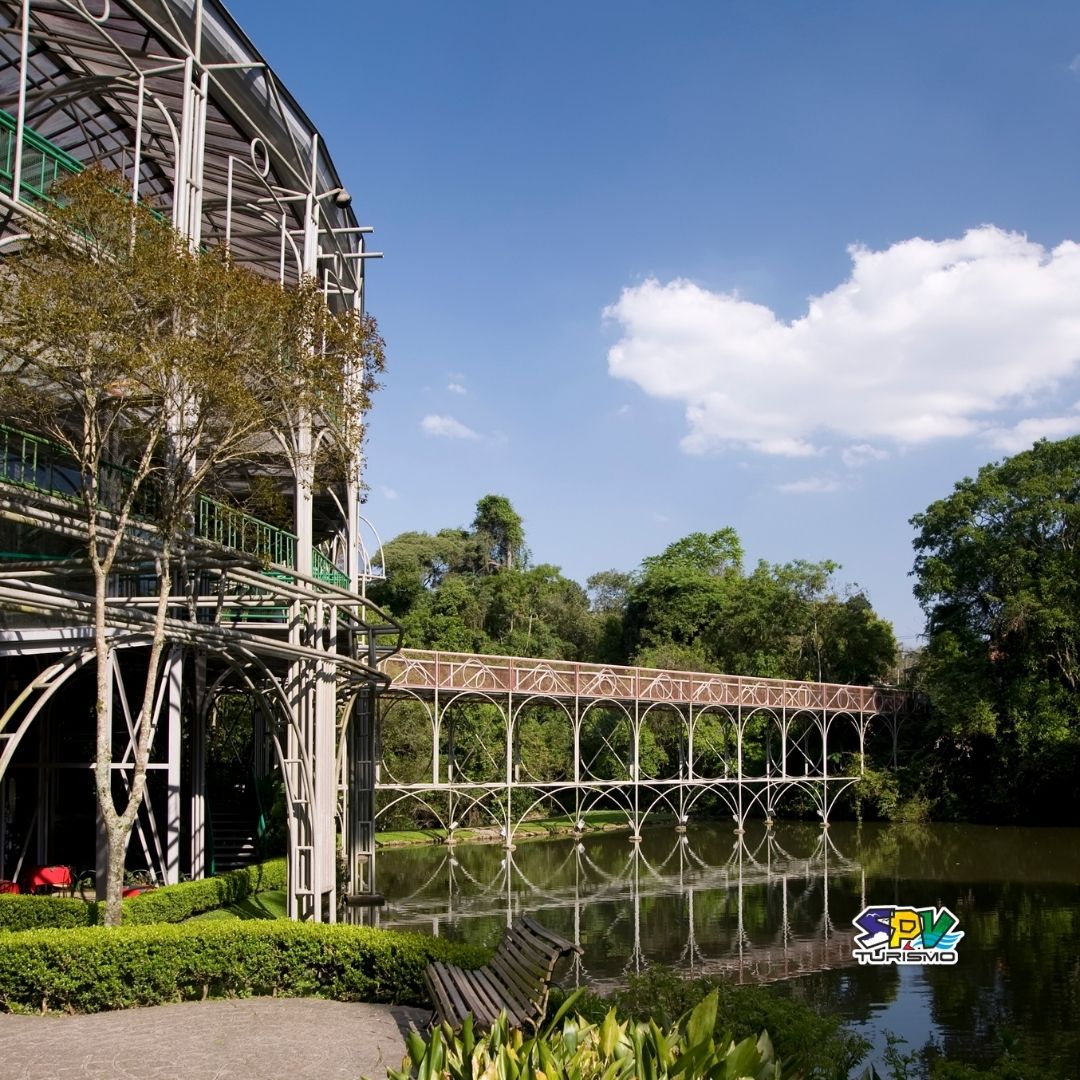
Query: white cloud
(1021, 435)
(925, 340)
(1074, 65)
(859, 454)
(456, 388)
(623, 410)
(812, 485)
(388, 493)
(446, 427)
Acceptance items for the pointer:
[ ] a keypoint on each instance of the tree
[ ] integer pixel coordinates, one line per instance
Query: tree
(156, 367)
(498, 527)
(694, 606)
(998, 575)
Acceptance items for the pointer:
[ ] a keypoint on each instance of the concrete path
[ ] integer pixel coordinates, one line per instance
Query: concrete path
(238, 1039)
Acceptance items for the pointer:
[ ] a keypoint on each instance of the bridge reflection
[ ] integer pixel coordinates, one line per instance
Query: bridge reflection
(748, 906)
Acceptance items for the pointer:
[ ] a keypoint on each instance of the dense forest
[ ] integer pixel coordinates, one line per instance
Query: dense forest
(995, 570)
(695, 606)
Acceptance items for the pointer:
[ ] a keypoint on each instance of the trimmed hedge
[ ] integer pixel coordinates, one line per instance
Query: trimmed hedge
(91, 969)
(33, 912)
(170, 904)
(175, 903)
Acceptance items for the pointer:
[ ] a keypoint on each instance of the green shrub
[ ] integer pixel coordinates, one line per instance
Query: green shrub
(582, 1050)
(19, 912)
(173, 903)
(91, 969)
(813, 1045)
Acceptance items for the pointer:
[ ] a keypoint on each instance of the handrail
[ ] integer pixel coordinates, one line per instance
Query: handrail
(322, 569)
(34, 462)
(43, 162)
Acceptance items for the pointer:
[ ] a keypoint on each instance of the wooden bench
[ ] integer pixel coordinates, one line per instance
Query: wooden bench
(517, 979)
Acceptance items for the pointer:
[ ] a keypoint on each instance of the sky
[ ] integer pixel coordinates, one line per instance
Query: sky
(657, 268)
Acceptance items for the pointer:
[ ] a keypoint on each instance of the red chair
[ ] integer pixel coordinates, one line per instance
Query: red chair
(8, 887)
(47, 878)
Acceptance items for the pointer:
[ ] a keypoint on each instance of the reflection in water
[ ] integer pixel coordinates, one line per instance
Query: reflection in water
(760, 910)
(778, 904)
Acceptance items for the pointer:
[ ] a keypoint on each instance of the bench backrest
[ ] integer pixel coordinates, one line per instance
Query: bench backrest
(526, 958)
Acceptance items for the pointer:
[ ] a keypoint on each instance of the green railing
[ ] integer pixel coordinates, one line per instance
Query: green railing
(322, 569)
(42, 162)
(33, 462)
(240, 531)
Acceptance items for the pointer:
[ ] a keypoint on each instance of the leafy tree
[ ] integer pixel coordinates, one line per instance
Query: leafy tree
(498, 527)
(998, 575)
(694, 607)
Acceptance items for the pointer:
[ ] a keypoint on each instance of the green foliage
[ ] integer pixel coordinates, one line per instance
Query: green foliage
(998, 574)
(99, 968)
(32, 912)
(170, 904)
(174, 903)
(473, 591)
(693, 606)
(571, 1047)
(815, 1046)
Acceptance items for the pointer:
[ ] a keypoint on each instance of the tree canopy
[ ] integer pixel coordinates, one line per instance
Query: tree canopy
(998, 574)
(693, 606)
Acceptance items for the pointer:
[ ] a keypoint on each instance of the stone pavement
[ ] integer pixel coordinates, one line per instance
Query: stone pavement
(236, 1039)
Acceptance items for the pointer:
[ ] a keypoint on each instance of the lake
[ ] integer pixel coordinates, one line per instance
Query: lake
(777, 905)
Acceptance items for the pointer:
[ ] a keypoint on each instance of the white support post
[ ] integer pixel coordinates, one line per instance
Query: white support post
(199, 861)
(174, 670)
(20, 113)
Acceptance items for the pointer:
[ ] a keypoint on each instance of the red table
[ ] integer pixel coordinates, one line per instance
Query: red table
(47, 877)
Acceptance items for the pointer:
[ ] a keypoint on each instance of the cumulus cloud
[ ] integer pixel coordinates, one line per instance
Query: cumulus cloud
(446, 427)
(924, 340)
(456, 388)
(859, 454)
(1021, 435)
(812, 485)
(388, 493)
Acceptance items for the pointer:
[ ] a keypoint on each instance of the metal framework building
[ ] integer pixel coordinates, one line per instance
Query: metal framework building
(172, 96)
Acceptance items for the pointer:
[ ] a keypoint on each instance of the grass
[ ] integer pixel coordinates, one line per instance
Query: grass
(595, 821)
(264, 905)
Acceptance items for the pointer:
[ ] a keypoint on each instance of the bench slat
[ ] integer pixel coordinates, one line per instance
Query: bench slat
(517, 979)
(526, 991)
(560, 943)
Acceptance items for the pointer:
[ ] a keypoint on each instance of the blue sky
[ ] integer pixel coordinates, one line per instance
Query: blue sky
(654, 268)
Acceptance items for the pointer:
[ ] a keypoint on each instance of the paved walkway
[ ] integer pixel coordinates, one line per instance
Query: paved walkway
(251, 1038)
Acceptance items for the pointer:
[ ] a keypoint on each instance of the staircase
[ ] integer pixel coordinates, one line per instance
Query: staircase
(234, 825)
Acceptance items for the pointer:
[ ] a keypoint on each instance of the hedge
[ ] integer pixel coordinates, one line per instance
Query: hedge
(170, 904)
(91, 969)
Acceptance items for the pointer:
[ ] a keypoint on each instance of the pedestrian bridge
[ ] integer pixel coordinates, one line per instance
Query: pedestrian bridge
(493, 741)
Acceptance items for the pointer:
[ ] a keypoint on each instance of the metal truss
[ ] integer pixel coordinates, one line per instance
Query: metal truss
(643, 742)
(172, 96)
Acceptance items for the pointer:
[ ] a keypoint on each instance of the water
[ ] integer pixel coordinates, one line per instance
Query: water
(777, 905)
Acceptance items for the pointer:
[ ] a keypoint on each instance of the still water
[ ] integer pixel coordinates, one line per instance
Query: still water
(777, 905)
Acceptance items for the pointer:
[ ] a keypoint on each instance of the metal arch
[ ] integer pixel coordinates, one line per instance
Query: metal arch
(47, 682)
(717, 719)
(245, 96)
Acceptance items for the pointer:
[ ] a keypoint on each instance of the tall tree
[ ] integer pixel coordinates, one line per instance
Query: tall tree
(499, 529)
(998, 575)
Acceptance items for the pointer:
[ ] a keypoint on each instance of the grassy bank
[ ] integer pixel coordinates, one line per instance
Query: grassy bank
(565, 825)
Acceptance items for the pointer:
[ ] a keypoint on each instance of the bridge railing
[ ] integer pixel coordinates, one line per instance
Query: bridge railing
(424, 670)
